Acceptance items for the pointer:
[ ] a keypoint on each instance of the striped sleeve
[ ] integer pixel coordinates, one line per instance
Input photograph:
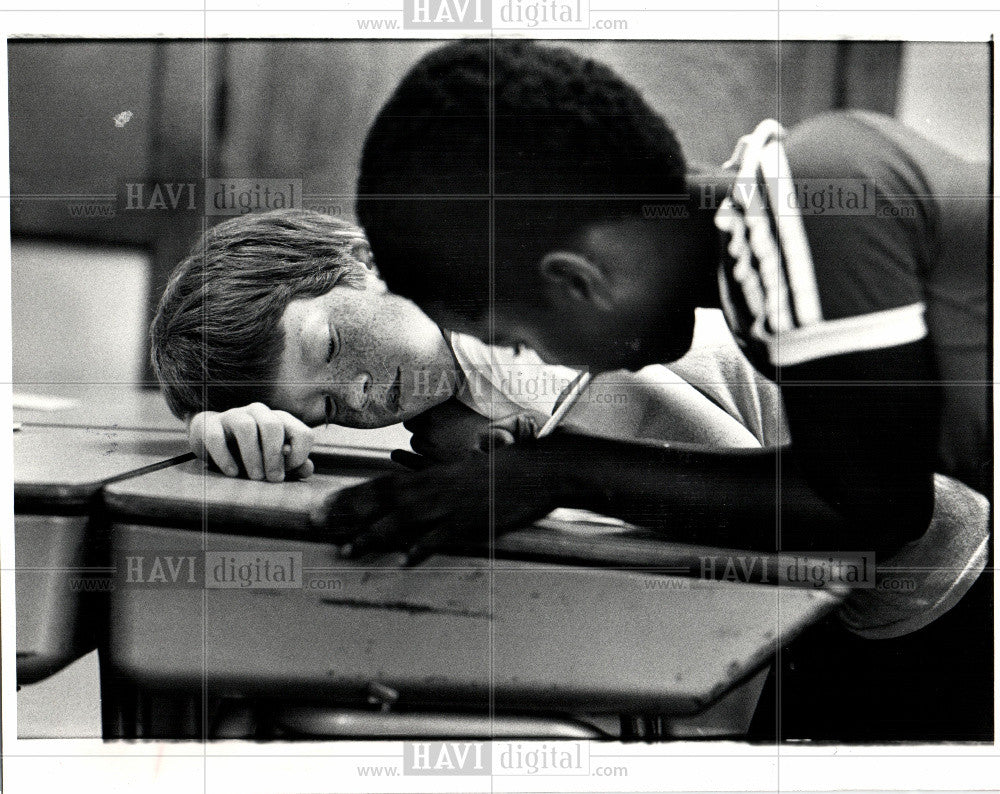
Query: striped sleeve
(782, 292)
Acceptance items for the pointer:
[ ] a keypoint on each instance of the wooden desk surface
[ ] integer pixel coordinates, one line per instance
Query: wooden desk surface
(191, 493)
(64, 465)
(452, 632)
(455, 632)
(118, 405)
(129, 406)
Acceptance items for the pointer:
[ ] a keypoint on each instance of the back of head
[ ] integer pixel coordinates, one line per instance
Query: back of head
(495, 150)
(217, 336)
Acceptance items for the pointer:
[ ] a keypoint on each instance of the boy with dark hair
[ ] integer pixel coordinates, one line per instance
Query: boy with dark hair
(505, 187)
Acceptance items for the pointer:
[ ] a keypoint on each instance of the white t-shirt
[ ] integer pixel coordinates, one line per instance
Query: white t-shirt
(712, 396)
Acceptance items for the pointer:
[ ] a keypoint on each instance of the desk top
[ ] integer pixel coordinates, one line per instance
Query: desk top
(190, 493)
(455, 632)
(129, 406)
(119, 405)
(67, 465)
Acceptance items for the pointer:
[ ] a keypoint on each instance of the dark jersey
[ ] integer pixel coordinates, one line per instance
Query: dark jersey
(851, 234)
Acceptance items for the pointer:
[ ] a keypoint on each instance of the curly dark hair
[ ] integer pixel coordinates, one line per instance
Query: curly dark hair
(503, 148)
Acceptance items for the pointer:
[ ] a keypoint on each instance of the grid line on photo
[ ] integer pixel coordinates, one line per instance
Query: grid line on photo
(205, 522)
(779, 545)
(491, 448)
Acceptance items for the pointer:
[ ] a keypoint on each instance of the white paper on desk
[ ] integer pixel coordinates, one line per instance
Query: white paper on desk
(42, 402)
(582, 522)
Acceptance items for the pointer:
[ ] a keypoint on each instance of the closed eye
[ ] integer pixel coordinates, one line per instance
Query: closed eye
(334, 346)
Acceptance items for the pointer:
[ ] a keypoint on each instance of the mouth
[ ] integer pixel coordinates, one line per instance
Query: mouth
(393, 396)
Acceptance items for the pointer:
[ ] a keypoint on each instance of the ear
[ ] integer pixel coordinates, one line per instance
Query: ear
(577, 278)
(363, 253)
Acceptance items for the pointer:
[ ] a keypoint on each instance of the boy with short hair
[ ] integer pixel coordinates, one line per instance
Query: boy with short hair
(216, 335)
(873, 322)
(278, 321)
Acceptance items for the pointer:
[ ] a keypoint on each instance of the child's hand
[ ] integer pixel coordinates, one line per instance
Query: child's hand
(270, 443)
(452, 431)
(449, 431)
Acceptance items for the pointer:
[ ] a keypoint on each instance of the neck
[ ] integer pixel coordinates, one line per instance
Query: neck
(706, 191)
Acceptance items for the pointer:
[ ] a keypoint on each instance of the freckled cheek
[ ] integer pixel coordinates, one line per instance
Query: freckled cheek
(392, 343)
(369, 354)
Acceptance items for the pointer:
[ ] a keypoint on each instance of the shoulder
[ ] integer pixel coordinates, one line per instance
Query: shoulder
(851, 144)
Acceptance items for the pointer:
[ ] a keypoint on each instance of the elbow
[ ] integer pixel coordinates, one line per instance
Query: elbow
(866, 508)
(905, 519)
(887, 518)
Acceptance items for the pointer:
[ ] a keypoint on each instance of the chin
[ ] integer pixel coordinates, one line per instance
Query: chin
(672, 354)
(662, 351)
(412, 411)
(674, 344)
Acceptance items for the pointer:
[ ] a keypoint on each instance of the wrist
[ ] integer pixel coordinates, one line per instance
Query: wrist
(587, 472)
(559, 465)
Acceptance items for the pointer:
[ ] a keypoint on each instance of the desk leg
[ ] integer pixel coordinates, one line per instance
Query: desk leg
(129, 711)
(132, 712)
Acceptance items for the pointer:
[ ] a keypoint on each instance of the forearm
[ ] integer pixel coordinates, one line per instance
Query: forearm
(725, 498)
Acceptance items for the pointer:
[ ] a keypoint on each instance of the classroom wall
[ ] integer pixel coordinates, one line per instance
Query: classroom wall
(78, 313)
(710, 93)
(943, 93)
(300, 109)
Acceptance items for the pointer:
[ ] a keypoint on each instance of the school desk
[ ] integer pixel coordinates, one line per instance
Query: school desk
(120, 405)
(459, 634)
(130, 406)
(58, 472)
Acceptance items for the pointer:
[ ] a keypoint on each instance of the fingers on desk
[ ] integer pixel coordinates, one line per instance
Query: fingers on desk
(243, 426)
(349, 510)
(271, 438)
(208, 440)
(270, 444)
(389, 535)
(298, 438)
(387, 513)
(384, 535)
(429, 544)
(304, 471)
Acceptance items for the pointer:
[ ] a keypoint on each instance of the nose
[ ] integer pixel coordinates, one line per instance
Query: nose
(357, 391)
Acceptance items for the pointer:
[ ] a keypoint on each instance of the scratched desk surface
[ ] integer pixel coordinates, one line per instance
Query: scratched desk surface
(119, 405)
(455, 631)
(191, 493)
(129, 406)
(70, 464)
